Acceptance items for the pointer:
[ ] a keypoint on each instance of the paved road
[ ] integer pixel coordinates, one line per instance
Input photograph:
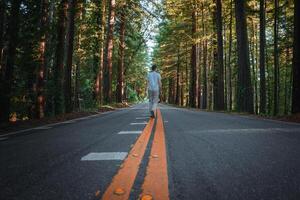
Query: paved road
(208, 155)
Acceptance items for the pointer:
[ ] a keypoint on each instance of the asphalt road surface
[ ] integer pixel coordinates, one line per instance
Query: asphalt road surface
(182, 154)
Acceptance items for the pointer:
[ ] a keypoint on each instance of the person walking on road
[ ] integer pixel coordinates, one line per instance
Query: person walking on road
(154, 89)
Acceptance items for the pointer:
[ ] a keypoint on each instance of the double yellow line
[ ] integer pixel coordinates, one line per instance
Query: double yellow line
(155, 185)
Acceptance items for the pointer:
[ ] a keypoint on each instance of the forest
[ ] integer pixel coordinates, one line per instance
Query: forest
(64, 56)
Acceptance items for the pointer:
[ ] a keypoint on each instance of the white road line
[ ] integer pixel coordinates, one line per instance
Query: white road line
(142, 118)
(42, 128)
(104, 156)
(129, 132)
(139, 123)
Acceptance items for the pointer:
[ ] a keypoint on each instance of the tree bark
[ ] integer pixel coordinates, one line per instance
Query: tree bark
(177, 99)
(193, 73)
(262, 59)
(99, 80)
(2, 30)
(220, 65)
(120, 84)
(244, 87)
(7, 79)
(229, 81)
(276, 61)
(41, 71)
(109, 53)
(70, 50)
(296, 60)
(59, 54)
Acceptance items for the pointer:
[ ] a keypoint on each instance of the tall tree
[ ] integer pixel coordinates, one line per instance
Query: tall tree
(244, 87)
(229, 79)
(296, 60)
(120, 84)
(109, 52)
(2, 28)
(262, 60)
(220, 66)
(193, 72)
(99, 80)
(41, 71)
(276, 60)
(7, 79)
(70, 45)
(59, 54)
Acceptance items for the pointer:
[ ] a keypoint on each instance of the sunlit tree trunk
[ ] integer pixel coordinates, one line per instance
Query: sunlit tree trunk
(109, 53)
(7, 79)
(120, 84)
(99, 79)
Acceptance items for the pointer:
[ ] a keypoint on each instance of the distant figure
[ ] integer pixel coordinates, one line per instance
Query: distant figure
(154, 89)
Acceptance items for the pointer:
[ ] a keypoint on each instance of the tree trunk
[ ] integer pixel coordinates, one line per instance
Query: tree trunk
(229, 81)
(59, 65)
(177, 99)
(2, 30)
(6, 83)
(276, 61)
(193, 73)
(262, 60)
(244, 87)
(99, 80)
(204, 76)
(120, 84)
(220, 66)
(109, 54)
(199, 52)
(41, 71)
(70, 50)
(296, 60)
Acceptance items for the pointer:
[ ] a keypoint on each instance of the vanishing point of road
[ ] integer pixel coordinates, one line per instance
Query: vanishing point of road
(182, 154)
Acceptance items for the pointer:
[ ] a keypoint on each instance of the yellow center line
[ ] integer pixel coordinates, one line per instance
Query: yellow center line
(156, 183)
(120, 187)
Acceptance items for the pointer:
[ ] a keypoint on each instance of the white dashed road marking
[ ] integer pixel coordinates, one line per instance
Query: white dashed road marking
(139, 123)
(129, 132)
(104, 156)
(142, 118)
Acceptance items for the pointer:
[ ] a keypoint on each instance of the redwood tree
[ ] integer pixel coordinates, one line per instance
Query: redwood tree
(262, 60)
(109, 53)
(7, 78)
(220, 66)
(59, 54)
(41, 71)
(68, 67)
(244, 87)
(120, 84)
(296, 60)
